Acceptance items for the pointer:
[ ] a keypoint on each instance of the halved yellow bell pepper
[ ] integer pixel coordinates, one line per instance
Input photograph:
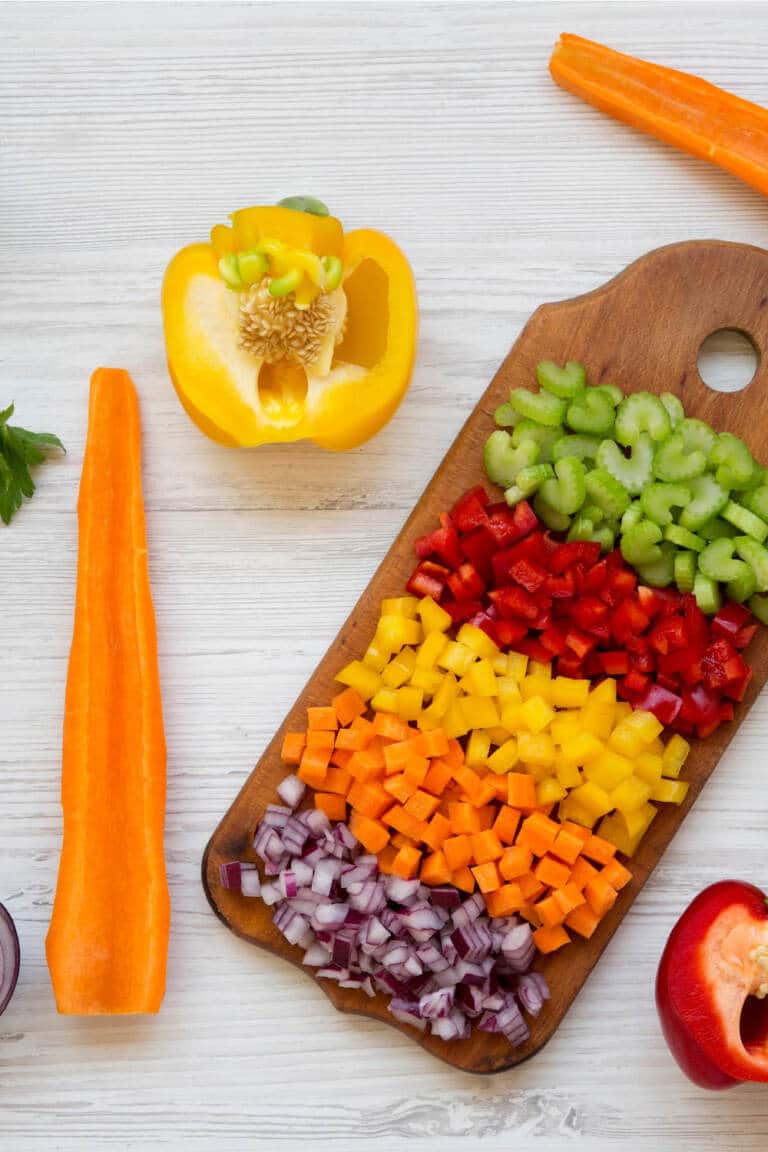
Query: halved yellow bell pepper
(285, 328)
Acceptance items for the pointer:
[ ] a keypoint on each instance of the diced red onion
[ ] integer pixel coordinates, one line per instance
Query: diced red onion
(407, 1012)
(332, 972)
(291, 791)
(326, 872)
(275, 816)
(445, 896)
(330, 916)
(400, 890)
(375, 932)
(434, 1005)
(370, 899)
(316, 955)
(270, 894)
(250, 883)
(422, 918)
(341, 952)
(303, 872)
(230, 874)
(532, 991)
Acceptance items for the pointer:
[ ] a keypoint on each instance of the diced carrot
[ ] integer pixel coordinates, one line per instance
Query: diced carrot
(550, 939)
(435, 870)
(598, 850)
(529, 913)
(422, 805)
(538, 833)
(406, 863)
(369, 799)
(437, 777)
(371, 833)
(396, 756)
(499, 785)
(386, 855)
(429, 744)
(324, 719)
(320, 738)
(313, 767)
(566, 847)
(463, 818)
(552, 872)
(462, 878)
(399, 787)
(569, 897)
(505, 900)
(402, 821)
(582, 872)
(521, 790)
(352, 739)
(455, 754)
(487, 876)
(583, 920)
(435, 833)
(550, 912)
(515, 862)
(363, 724)
(293, 746)
(390, 727)
(577, 830)
(486, 815)
(486, 846)
(458, 851)
(348, 705)
(341, 757)
(530, 887)
(400, 840)
(337, 780)
(363, 767)
(506, 824)
(601, 896)
(545, 809)
(471, 784)
(416, 769)
(616, 874)
(487, 796)
(334, 806)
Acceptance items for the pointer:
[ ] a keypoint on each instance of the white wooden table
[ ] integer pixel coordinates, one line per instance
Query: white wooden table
(126, 131)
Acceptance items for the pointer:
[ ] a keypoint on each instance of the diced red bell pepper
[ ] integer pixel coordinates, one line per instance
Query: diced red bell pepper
(507, 633)
(729, 619)
(570, 665)
(717, 664)
(428, 579)
(525, 518)
(443, 543)
(461, 610)
(466, 583)
(664, 703)
(589, 612)
(683, 664)
(633, 686)
(528, 575)
(579, 642)
(534, 649)
(701, 707)
(614, 663)
(668, 634)
(596, 578)
(628, 620)
(657, 601)
(480, 547)
(574, 552)
(560, 587)
(736, 688)
(514, 603)
(744, 636)
(622, 581)
(468, 513)
(502, 525)
(553, 639)
(696, 622)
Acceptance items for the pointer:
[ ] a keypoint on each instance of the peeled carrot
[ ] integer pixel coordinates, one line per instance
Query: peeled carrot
(676, 107)
(108, 938)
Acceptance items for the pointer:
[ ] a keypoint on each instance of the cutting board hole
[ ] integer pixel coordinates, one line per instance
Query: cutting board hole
(727, 360)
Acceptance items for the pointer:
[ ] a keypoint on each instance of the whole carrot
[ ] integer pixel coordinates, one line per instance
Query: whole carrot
(108, 938)
(680, 109)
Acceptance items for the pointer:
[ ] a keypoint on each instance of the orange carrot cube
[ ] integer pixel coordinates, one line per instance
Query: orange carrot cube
(369, 799)
(583, 921)
(324, 719)
(462, 878)
(437, 777)
(406, 863)
(566, 847)
(521, 790)
(550, 912)
(348, 705)
(463, 817)
(599, 850)
(435, 870)
(371, 833)
(601, 896)
(487, 876)
(352, 739)
(569, 897)
(402, 821)
(458, 851)
(486, 846)
(515, 862)
(337, 780)
(550, 939)
(320, 738)
(506, 824)
(552, 872)
(616, 874)
(582, 872)
(292, 748)
(436, 832)
(334, 806)
(421, 804)
(505, 900)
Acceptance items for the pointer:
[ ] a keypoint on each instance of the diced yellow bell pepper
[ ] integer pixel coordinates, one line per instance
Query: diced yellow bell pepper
(637, 823)
(376, 657)
(504, 758)
(517, 665)
(613, 829)
(456, 658)
(537, 771)
(604, 692)
(674, 756)
(592, 798)
(581, 748)
(655, 747)
(433, 617)
(508, 691)
(364, 680)
(429, 650)
(622, 711)
(500, 664)
(571, 809)
(648, 767)
(498, 735)
(536, 748)
(480, 711)
(531, 686)
(400, 668)
(385, 700)
(426, 678)
(549, 791)
(645, 724)
(598, 718)
(624, 741)
(567, 693)
(390, 635)
(608, 770)
(631, 794)
(401, 606)
(567, 772)
(535, 714)
(454, 722)
(477, 641)
(444, 696)
(670, 791)
(409, 703)
(481, 679)
(536, 668)
(478, 748)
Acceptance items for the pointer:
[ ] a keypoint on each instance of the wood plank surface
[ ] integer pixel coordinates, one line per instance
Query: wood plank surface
(126, 131)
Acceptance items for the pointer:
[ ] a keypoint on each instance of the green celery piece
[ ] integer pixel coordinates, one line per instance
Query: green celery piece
(717, 561)
(697, 436)
(550, 516)
(540, 434)
(592, 412)
(633, 472)
(733, 461)
(743, 586)
(582, 447)
(607, 493)
(707, 593)
(758, 606)
(714, 529)
(539, 406)
(756, 501)
(682, 538)
(674, 462)
(658, 500)
(567, 492)
(529, 479)
(757, 557)
(506, 417)
(674, 409)
(685, 571)
(641, 412)
(565, 383)
(503, 460)
(584, 528)
(593, 513)
(612, 391)
(708, 498)
(632, 516)
(661, 572)
(745, 521)
(513, 495)
(641, 544)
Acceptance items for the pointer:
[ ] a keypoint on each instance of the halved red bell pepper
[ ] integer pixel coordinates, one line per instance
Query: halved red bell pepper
(712, 987)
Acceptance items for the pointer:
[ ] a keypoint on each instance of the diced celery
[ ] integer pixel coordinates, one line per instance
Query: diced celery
(565, 383)
(673, 462)
(607, 493)
(658, 500)
(708, 498)
(757, 558)
(503, 460)
(542, 435)
(633, 472)
(641, 412)
(550, 516)
(707, 594)
(697, 436)
(506, 417)
(641, 543)
(566, 493)
(758, 606)
(685, 571)
(683, 538)
(714, 529)
(591, 412)
(756, 501)
(745, 521)
(733, 460)
(612, 391)
(582, 447)
(632, 516)
(674, 408)
(539, 406)
(717, 561)
(529, 479)
(659, 573)
(743, 586)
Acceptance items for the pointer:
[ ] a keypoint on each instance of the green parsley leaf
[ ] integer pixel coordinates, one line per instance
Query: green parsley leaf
(19, 450)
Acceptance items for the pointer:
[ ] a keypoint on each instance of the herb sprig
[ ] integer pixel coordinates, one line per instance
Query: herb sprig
(20, 450)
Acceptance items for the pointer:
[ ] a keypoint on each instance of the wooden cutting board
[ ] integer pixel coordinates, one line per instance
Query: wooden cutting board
(642, 330)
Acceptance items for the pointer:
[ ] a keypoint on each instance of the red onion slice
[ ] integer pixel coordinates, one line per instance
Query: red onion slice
(10, 957)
